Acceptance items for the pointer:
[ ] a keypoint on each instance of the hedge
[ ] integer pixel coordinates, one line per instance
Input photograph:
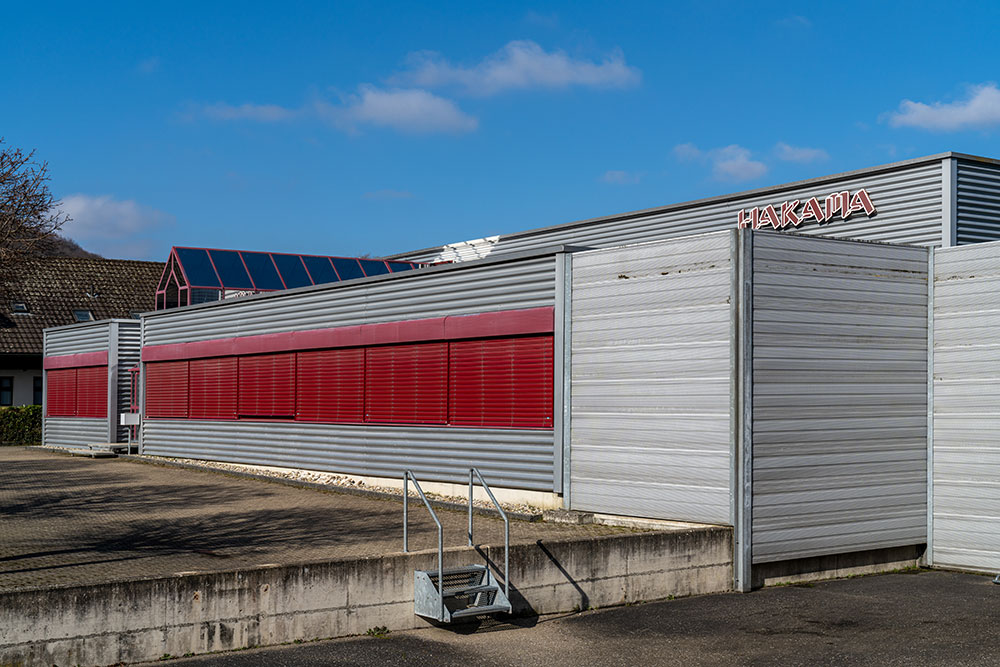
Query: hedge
(21, 425)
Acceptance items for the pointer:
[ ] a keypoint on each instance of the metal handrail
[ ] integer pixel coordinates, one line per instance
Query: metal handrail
(407, 476)
(506, 526)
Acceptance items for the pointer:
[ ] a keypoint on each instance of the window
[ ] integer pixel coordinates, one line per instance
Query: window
(407, 384)
(61, 388)
(267, 385)
(167, 389)
(331, 385)
(36, 390)
(19, 307)
(83, 315)
(6, 391)
(92, 391)
(501, 382)
(212, 384)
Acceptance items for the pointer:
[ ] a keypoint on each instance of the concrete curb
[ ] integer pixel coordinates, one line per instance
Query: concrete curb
(144, 619)
(331, 488)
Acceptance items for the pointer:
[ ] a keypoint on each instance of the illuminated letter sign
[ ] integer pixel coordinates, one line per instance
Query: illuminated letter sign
(793, 215)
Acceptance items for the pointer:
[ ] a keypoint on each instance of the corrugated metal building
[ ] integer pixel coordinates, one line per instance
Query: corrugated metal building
(88, 381)
(696, 362)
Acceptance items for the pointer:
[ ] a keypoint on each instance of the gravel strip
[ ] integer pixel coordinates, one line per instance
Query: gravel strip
(329, 479)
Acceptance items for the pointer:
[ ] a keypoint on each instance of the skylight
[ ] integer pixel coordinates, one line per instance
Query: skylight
(19, 307)
(83, 315)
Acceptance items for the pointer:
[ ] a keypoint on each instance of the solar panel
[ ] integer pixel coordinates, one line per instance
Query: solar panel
(262, 270)
(291, 269)
(197, 267)
(320, 269)
(347, 268)
(373, 267)
(231, 269)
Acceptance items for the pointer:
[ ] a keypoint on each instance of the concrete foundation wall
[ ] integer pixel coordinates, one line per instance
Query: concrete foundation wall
(146, 619)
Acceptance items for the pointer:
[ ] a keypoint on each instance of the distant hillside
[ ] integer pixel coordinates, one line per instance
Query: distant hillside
(59, 246)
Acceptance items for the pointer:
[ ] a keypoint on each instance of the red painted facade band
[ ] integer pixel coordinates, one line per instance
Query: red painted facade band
(452, 327)
(76, 360)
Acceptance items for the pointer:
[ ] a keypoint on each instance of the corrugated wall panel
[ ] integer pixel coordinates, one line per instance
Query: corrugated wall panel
(508, 458)
(839, 396)
(966, 456)
(527, 283)
(77, 339)
(977, 209)
(69, 431)
(908, 200)
(128, 358)
(651, 379)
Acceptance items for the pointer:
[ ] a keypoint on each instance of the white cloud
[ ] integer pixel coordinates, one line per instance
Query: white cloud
(519, 65)
(388, 194)
(799, 154)
(406, 110)
(980, 110)
(262, 113)
(795, 21)
(731, 163)
(620, 177)
(112, 227)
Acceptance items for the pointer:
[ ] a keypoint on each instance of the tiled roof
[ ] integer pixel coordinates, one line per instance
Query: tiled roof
(54, 287)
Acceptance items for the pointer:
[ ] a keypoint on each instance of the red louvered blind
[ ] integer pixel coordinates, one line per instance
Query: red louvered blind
(167, 389)
(501, 382)
(212, 388)
(331, 385)
(60, 392)
(267, 385)
(92, 391)
(407, 384)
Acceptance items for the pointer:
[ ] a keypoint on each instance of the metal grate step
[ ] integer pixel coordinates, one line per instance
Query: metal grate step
(469, 590)
(479, 611)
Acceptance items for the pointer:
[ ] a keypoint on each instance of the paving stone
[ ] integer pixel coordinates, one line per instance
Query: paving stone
(67, 520)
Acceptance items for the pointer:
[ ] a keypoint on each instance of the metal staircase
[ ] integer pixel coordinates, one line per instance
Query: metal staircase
(470, 590)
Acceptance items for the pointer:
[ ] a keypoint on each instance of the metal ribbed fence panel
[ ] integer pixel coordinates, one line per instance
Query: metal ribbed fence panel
(908, 199)
(510, 285)
(507, 458)
(966, 449)
(839, 396)
(651, 379)
(977, 209)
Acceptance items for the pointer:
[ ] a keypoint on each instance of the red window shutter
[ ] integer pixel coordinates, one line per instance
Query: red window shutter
(212, 392)
(331, 385)
(167, 389)
(407, 384)
(60, 393)
(92, 391)
(502, 382)
(267, 385)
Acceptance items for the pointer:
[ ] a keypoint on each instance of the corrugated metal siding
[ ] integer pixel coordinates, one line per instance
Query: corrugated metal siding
(966, 456)
(520, 458)
(67, 431)
(90, 337)
(977, 202)
(128, 358)
(507, 458)
(528, 283)
(839, 396)
(908, 201)
(651, 379)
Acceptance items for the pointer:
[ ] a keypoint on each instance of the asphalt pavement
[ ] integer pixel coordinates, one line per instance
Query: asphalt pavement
(916, 618)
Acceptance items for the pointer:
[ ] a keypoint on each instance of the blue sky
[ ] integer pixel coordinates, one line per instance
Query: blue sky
(349, 128)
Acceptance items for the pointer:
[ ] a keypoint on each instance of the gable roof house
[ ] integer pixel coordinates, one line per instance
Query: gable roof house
(56, 291)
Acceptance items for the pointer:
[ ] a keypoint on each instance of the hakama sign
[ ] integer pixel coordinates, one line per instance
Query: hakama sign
(794, 213)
